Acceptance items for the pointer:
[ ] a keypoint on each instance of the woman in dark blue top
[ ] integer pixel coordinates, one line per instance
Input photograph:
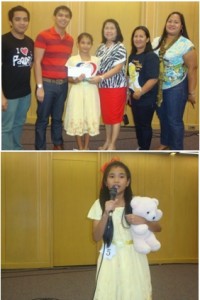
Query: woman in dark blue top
(143, 72)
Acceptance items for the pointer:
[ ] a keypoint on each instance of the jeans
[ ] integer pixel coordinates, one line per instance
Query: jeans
(13, 120)
(142, 116)
(52, 106)
(171, 113)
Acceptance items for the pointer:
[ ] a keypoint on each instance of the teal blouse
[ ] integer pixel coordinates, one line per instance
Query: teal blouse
(175, 69)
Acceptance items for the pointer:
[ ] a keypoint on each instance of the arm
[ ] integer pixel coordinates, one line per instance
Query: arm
(4, 102)
(146, 88)
(38, 53)
(190, 60)
(107, 75)
(99, 227)
(154, 226)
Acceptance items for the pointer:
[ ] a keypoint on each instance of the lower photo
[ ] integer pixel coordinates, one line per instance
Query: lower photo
(99, 225)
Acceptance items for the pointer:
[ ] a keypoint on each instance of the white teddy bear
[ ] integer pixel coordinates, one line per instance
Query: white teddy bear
(144, 240)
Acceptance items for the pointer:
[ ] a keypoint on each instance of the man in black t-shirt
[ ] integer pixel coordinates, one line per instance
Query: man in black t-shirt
(17, 59)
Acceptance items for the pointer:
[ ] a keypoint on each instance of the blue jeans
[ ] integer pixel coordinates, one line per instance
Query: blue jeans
(171, 113)
(13, 120)
(142, 116)
(52, 106)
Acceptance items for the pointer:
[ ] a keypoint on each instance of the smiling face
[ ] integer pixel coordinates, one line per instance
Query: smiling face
(85, 45)
(117, 177)
(140, 40)
(110, 32)
(62, 19)
(173, 25)
(19, 22)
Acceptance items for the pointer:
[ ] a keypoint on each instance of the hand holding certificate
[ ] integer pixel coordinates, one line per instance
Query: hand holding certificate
(77, 71)
(87, 69)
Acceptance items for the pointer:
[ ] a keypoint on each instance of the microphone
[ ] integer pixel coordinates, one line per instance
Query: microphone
(109, 229)
(113, 194)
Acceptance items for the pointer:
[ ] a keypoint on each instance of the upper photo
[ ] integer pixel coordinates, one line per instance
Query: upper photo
(100, 76)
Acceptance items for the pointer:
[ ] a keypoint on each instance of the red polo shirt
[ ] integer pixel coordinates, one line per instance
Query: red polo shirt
(57, 52)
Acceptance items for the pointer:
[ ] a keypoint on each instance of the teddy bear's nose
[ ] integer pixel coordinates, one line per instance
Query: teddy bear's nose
(154, 218)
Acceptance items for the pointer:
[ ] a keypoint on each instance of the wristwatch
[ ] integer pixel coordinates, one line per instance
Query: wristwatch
(39, 85)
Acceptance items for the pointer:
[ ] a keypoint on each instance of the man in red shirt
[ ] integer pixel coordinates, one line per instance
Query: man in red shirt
(53, 47)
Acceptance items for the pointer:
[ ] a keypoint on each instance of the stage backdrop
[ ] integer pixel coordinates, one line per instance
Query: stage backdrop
(46, 198)
(89, 16)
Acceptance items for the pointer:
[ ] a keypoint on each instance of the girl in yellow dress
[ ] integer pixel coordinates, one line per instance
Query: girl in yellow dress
(122, 273)
(82, 115)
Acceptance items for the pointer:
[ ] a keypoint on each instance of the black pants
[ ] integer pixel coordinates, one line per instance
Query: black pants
(142, 116)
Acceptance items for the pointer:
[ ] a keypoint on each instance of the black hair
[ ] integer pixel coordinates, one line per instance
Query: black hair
(63, 7)
(104, 191)
(148, 47)
(15, 9)
(119, 37)
(85, 34)
(183, 31)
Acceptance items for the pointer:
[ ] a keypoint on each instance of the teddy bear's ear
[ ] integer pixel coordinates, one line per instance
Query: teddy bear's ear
(135, 201)
(156, 201)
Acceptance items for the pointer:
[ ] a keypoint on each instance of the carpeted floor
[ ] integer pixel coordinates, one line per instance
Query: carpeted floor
(127, 139)
(169, 282)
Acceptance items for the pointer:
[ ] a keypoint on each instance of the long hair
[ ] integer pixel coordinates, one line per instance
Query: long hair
(119, 37)
(104, 191)
(148, 44)
(183, 31)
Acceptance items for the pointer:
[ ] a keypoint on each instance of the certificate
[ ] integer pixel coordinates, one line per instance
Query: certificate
(77, 71)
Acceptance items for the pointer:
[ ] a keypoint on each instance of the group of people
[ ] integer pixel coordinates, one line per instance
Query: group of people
(160, 76)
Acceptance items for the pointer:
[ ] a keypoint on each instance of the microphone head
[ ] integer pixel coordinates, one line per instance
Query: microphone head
(113, 192)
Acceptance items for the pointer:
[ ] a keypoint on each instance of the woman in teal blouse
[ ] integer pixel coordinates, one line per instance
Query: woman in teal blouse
(177, 80)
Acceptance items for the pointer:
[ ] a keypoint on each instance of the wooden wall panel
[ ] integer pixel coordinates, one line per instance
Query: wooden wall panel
(74, 191)
(26, 237)
(185, 208)
(3, 211)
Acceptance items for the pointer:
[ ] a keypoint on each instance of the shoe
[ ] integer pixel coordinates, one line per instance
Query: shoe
(102, 148)
(58, 147)
(162, 148)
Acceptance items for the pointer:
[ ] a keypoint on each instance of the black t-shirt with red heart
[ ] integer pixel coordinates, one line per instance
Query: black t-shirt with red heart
(17, 60)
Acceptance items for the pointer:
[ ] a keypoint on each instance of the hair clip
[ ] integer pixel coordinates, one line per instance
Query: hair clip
(104, 166)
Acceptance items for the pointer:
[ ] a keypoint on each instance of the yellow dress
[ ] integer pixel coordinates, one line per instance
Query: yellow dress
(83, 104)
(125, 276)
